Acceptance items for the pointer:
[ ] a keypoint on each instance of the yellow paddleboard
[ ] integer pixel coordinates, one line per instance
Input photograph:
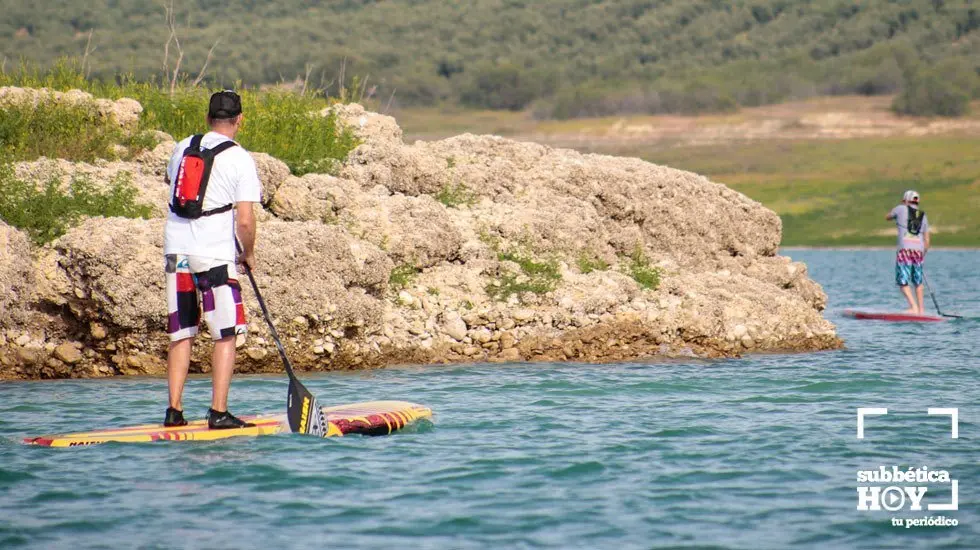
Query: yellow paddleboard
(368, 418)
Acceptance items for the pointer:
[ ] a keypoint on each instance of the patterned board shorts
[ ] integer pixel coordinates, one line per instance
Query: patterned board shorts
(216, 283)
(908, 267)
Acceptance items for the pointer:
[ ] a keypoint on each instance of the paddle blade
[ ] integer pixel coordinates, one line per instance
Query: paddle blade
(303, 411)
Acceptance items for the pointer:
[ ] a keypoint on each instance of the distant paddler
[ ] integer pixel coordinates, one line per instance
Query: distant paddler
(913, 242)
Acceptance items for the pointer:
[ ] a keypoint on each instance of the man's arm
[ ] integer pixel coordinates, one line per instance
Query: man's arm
(890, 215)
(245, 228)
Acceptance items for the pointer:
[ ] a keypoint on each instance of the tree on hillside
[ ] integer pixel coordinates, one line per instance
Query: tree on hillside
(941, 90)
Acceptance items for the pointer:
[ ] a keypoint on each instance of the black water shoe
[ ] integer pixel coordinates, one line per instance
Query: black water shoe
(225, 421)
(174, 418)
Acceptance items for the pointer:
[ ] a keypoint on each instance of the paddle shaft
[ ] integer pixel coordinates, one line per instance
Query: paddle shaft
(272, 327)
(934, 301)
(268, 319)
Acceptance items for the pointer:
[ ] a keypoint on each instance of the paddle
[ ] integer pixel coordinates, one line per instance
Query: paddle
(302, 408)
(936, 303)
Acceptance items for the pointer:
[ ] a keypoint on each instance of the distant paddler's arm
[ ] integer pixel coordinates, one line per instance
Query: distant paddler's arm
(245, 228)
(890, 216)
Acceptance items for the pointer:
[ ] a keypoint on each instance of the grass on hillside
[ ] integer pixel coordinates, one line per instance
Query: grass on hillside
(283, 124)
(836, 193)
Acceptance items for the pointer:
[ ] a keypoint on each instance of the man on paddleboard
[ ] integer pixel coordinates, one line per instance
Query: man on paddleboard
(913, 242)
(213, 187)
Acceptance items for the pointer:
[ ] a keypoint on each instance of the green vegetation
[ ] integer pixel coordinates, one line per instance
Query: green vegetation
(560, 58)
(836, 193)
(401, 276)
(57, 130)
(536, 277)
(46, 214)
(638, 267)
(588, 262)
(281, 123)
(943, 90)
(456, 195)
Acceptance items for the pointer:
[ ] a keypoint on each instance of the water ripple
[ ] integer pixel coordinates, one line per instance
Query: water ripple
(755, 453)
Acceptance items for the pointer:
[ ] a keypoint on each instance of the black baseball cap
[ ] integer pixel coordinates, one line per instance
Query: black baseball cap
(224, 105)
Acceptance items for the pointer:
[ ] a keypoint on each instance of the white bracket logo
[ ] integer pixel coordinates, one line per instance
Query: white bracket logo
(953, 413)
(866, 411)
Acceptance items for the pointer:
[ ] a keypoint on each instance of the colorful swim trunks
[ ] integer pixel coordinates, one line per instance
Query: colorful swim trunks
(908, 267)
(192, 282)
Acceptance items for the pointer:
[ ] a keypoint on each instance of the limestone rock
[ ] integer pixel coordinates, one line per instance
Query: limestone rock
(272, 174)
(68, 353)
(313, 197)
(16, 274)
(98, 331)
(416, 231)
(454, 326)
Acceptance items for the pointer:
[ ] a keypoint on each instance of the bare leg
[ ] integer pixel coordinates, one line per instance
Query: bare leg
(918, 294)
(222, 365)
(907, 292)
(178, 361)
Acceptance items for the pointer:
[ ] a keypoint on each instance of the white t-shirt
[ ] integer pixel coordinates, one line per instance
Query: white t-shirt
(233, 179)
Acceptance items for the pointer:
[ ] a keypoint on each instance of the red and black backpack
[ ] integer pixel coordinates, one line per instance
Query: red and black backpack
(192, 180)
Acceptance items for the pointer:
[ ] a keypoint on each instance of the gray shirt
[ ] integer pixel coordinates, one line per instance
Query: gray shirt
(905, 240)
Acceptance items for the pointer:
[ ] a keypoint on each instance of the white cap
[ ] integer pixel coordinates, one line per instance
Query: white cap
(910, 196)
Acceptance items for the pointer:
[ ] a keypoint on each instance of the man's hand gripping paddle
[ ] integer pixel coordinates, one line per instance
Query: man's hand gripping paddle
(302, 408)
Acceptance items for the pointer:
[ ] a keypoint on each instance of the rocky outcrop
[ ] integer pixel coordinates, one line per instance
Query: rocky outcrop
(16, 274)
(474, 248)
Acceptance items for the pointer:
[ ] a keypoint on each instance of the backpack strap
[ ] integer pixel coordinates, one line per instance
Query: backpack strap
(196, 142)
(218, 210)
(223, 146)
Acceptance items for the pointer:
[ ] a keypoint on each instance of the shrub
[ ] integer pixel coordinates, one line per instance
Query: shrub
(402, 276)
(65, 74)
(587, 263)
(641, 271)
(943, 90)
(455, 195)
(501, 86)
(284, 124)
(536, 277)
(46, 214)
(287, 126)
(53, 129)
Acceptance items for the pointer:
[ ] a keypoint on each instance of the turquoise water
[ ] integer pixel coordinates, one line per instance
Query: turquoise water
(759, 452)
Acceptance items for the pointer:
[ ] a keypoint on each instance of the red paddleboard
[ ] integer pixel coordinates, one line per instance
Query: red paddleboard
(886, 316)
